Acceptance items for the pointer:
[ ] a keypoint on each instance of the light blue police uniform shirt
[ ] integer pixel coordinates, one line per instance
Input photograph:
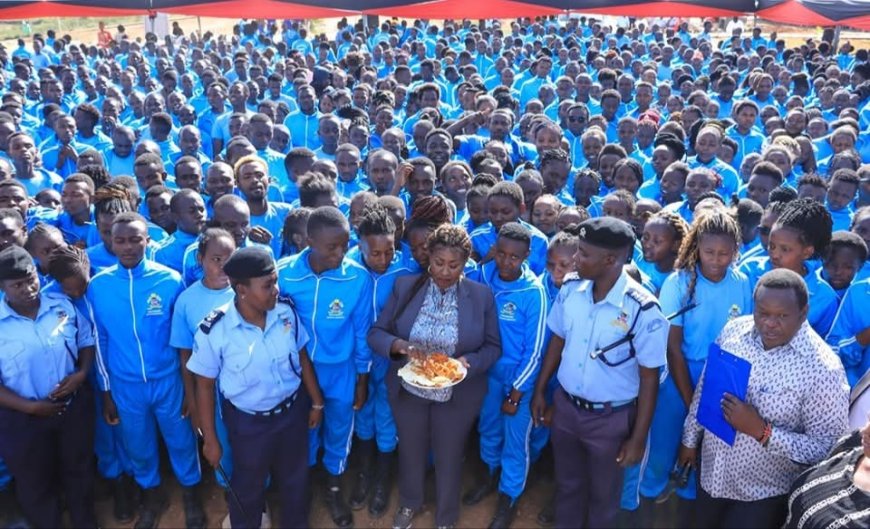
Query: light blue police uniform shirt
(717, 304)
(35, 355)
(256, 369)
(191, 307)
(586, 326)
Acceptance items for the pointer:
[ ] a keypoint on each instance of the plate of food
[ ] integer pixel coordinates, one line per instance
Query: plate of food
(434, 371)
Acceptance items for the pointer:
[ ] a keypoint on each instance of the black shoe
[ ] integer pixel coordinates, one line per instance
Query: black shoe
(154, 502)
(383, 484)
(504, 512)
(362, 487)
(547, 516)
(11, 516)
(123, 492)
(338, 509)
(194, 516)
(482, 489)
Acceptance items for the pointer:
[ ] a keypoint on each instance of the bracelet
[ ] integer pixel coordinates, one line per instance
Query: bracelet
(317, 406)
(511, 402)
(765, 436)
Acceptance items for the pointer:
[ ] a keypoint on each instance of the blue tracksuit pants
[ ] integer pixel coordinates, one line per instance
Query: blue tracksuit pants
(505, 439)
(666, 434)
(375, 419)
(143, 407)
(337, 382)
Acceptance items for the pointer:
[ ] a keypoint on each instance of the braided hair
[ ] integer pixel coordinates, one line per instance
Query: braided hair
(677, 224)
(811, 220)
(376, 220)
(714, 222)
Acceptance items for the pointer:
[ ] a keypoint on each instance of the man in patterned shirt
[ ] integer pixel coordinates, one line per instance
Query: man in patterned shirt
(796, 408)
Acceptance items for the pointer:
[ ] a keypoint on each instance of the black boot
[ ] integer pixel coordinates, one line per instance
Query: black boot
(363, 484)
(504, 512)
(194, 516)
(482, 489)
(338, 509)
(383, 484)
(10, 512)
(547, 516)
(123, 494)
(154, 502)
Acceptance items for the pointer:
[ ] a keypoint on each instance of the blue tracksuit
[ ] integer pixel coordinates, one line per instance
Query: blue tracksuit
(375, 419)
(335, 308)
(522, 315)
(484, 237)
(852, 318)
(193, 305)
(171, 251)
(717, 304)
(142, 369)
(823, 300)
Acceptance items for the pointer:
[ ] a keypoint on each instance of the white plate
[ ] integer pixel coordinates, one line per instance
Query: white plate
(407, 374)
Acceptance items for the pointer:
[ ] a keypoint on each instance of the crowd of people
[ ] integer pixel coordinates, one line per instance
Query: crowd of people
(230, 244)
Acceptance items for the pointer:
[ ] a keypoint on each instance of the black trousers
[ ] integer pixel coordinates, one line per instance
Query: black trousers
(48, 456)
(715, 513)
(265, 447)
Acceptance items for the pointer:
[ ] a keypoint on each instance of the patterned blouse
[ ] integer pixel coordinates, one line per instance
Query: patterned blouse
(436, 329)
(801, 388)
(825, 497)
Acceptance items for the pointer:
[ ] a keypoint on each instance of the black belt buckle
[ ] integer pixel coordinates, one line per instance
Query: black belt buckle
(283, 406)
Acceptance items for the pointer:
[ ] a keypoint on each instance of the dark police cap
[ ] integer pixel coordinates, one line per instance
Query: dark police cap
(249, 262)
(15, 263)
(607, 232)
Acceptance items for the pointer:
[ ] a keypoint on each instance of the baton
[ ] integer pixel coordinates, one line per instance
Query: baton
(223, 474)
(679, 479)
(630, 336)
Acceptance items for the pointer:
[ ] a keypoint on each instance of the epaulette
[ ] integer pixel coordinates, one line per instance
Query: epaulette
(570, 277)
(287, 300)
(209, 321)
(642, 297)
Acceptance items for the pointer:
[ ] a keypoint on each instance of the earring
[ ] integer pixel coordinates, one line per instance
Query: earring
(429, 270)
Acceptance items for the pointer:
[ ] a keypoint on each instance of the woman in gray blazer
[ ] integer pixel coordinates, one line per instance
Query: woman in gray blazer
(438, 310)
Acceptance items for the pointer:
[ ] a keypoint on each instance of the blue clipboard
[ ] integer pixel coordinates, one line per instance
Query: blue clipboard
(724, 373)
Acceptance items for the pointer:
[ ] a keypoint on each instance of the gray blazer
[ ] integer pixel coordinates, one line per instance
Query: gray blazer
(479, 338)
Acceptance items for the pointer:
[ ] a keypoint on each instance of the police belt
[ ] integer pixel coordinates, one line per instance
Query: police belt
(599, 407)
(283, 406)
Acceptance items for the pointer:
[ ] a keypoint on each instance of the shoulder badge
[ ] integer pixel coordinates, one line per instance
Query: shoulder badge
(570, 277)
(642, 297)
(287, 300)
(209, 321)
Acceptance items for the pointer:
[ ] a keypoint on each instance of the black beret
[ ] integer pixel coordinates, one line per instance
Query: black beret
(15, 263)
(607, 232)
(249, 262)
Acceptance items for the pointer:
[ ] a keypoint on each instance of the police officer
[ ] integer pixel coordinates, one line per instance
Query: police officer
(602, 411)
(142, 385)
(255, 346)
(46, 409)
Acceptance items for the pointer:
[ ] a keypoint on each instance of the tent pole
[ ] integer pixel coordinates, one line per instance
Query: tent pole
(836, 44)
(199, 24)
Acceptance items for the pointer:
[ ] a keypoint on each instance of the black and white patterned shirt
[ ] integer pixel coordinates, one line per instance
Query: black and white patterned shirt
(800, 388)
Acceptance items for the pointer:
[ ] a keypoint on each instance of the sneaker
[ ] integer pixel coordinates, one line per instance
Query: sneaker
(504, 512)
(403, 518)
(547, 516)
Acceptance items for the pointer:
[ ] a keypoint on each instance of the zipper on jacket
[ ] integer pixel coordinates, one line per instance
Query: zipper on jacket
(135, 331)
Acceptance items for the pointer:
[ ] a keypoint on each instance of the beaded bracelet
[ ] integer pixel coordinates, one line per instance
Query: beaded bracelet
(765, 436)
(511, 402)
